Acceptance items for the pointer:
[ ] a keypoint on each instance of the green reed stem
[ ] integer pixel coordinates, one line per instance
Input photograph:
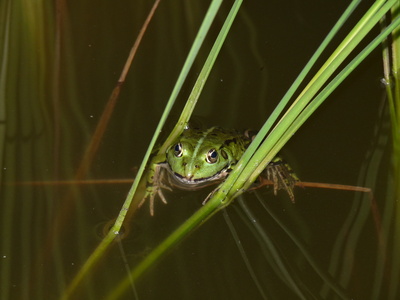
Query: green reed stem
(201, 79)
(391, 71)
(363, 27)
(109, 238)
(256, 161)
(206, 211)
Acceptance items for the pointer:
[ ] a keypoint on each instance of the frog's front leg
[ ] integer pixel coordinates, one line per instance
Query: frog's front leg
(155, 184)
(282, 176)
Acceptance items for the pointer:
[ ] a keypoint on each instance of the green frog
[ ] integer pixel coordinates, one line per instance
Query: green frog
(199, 158)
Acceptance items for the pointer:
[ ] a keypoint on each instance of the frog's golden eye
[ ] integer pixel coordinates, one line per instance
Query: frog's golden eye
(212, 156)
(178, 150)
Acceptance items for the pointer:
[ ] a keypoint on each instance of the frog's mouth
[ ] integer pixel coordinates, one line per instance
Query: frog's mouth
(190, 183)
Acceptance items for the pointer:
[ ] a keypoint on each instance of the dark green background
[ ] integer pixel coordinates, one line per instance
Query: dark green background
(268, 45)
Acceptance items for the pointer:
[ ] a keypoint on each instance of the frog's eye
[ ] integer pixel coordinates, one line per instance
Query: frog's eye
(212, 156)
(178, 150)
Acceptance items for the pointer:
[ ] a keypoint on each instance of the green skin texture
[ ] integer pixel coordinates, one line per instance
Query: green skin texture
(196, 159)
(205, 156)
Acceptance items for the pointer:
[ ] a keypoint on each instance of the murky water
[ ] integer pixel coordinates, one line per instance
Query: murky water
(326, 246)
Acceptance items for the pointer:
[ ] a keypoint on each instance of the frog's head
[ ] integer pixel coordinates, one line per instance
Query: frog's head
(198, 163)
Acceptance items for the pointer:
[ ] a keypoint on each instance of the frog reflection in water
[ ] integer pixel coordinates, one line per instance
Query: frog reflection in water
(200, 158)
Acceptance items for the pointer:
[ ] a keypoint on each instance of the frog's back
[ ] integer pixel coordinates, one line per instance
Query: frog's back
(236, 142)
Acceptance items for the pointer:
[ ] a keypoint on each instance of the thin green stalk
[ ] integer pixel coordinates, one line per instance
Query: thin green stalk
(204, 28)
(180, 233)
(289, 94)
(319, 99)
(208, 210)
(259, 162)
(243, 253)
(201, 79)
(392, 80)
(393, 92)
(388, 78)
(108, 239)
(363, 27)
(396, 63)
(225, 192)
(288, 124)
(305, 252)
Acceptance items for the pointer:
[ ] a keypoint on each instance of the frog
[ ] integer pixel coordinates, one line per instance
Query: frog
(200, 158)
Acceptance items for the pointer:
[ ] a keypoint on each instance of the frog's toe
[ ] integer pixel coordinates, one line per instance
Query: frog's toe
(142, 201)
(151, 205)
(163, 186)
(162, 197)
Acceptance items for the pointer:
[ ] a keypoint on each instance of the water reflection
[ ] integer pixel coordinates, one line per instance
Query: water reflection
(53, 92)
